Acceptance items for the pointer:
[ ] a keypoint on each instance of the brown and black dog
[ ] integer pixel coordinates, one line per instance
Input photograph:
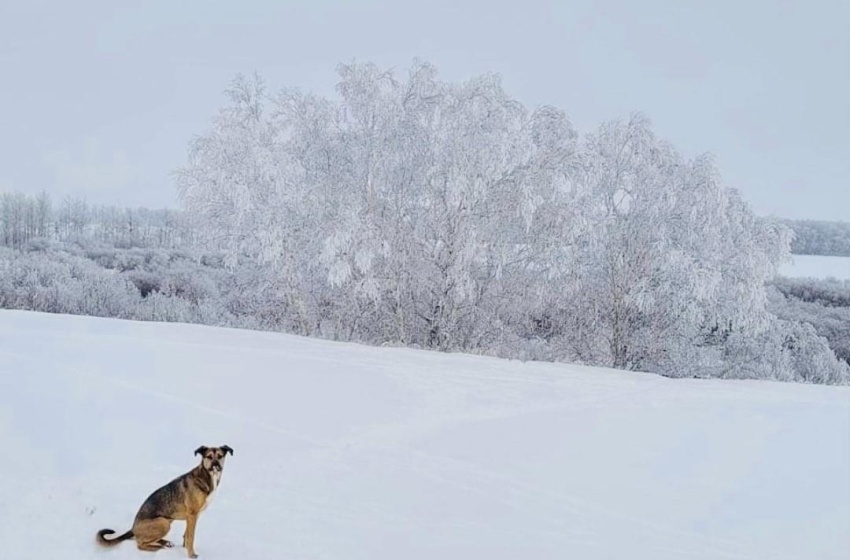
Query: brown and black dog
(184, 498)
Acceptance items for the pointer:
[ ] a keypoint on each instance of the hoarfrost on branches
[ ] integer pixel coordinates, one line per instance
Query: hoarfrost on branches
(448, 215)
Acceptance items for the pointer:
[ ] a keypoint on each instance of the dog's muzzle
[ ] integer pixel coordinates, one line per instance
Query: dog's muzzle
(215, 466)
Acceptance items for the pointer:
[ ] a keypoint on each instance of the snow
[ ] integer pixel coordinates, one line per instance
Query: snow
(817, 266)
(353, 452)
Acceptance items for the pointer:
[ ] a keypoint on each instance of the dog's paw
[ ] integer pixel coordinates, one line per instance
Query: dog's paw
(168, 544)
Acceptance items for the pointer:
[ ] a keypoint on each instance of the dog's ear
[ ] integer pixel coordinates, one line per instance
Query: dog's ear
(227, 449)
(201, 450)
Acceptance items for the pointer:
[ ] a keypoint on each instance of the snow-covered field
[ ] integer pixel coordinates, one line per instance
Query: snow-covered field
(817, 266)
(349, 452)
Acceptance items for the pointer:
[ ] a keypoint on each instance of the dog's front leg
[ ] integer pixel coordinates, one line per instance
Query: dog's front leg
(189, 535)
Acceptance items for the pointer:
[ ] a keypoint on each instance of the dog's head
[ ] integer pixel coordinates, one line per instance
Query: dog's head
(212, 458)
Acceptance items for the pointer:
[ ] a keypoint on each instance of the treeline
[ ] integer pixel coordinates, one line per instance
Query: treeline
(816, 237)
(25, 218)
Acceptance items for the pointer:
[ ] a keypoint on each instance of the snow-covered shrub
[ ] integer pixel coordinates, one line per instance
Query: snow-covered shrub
(824, 304)
(144, 281)
(57, 281)
(187, 284)
(60, 283)
(788, 351)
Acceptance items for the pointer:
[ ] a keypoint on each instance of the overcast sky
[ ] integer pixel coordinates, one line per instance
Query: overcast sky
(100, 98)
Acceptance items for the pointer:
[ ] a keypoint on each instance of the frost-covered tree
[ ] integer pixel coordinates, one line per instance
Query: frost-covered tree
(447, 215)
(24, 218)
(666, 261)
(407, 199)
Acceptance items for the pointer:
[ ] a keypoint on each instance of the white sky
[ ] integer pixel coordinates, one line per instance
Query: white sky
(100, 98)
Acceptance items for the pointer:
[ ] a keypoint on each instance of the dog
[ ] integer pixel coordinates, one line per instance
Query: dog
(184, 498)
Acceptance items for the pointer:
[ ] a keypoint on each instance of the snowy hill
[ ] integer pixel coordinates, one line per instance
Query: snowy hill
(351, 452)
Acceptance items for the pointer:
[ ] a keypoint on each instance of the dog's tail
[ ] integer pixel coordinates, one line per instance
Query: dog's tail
(103, 541)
